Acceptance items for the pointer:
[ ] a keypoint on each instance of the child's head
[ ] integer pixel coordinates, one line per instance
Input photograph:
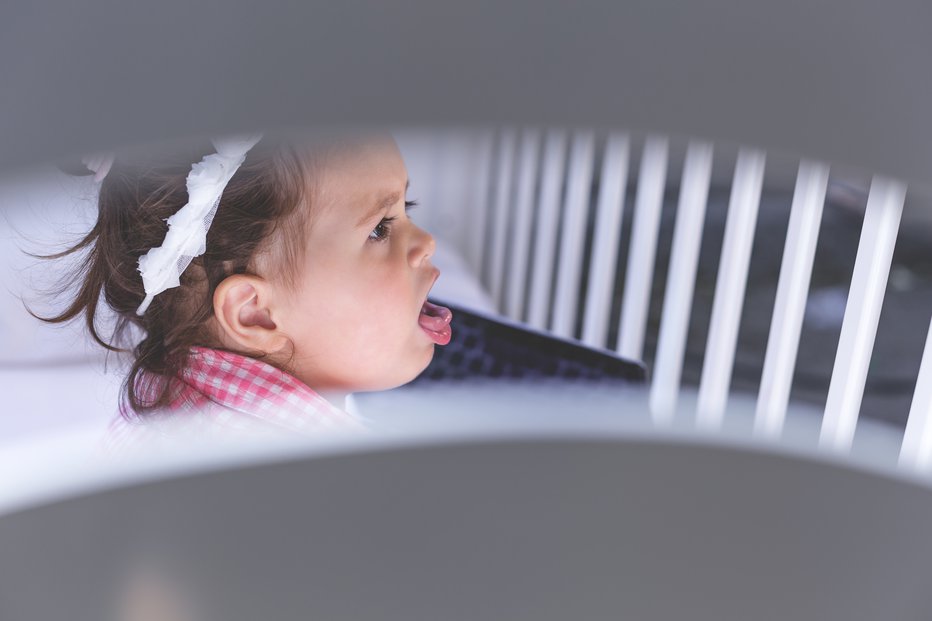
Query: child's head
(311, 264)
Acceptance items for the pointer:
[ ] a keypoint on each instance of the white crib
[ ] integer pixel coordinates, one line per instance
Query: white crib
(545, 515)
(542, 229)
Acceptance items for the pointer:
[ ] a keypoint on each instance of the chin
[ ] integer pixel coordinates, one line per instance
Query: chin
(428, 358)
(412, 371)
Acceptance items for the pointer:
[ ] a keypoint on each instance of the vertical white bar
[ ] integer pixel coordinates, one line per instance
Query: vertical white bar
(480, 202)
(420, 150)
(790, 303)
(548, 215)
(573, 231)
(502, 209)
(524, 203)
(450, 197)
(862, 312)
(612, 186)
(916, 452)
(645, 228)
(730, 286)
(681, 279)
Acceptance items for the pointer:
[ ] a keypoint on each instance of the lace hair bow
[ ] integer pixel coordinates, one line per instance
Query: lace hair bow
(161, 267)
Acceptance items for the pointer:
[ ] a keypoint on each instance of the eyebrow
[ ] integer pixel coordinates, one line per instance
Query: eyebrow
(383, 203)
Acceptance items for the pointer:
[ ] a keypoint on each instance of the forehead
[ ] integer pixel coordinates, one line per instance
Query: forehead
(359, 173)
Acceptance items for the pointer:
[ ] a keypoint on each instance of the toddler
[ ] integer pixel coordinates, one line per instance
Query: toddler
(257, 283)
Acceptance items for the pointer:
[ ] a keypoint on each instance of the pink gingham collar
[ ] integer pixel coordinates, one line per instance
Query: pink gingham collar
(257, 389)
(223, 392)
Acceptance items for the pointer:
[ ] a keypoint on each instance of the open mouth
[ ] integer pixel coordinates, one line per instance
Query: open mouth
(435, 322)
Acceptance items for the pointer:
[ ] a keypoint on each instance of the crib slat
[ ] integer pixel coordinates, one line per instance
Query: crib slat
(453, 184)
(645, 228)
(502, 209)
(477, 224)
(916, 452)
(614, 181)
(527, 180)
(573, 232)
(677, 301)
(790, 303)
(548, 214)
(862, 312)
(730, 286)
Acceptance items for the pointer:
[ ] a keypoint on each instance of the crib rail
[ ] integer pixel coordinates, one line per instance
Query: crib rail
(553, 252)
(792, 290)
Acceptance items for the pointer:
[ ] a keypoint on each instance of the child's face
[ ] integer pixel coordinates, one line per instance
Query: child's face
(353, 317)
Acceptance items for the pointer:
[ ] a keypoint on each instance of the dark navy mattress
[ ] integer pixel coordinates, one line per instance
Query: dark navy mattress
(485, 347)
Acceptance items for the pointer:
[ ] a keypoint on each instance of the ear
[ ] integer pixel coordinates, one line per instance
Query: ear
(243, 306)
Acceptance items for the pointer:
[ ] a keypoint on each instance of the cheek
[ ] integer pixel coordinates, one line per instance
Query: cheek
(381, 333)
(358, 308)
(358, 327)
(385, 283)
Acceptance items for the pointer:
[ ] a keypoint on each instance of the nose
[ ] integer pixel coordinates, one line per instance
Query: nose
(422, 247)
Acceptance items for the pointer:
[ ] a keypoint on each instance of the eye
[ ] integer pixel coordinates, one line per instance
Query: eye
(382, 230)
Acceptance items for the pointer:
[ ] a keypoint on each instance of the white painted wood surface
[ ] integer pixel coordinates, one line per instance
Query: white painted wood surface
(681, 279)
(528, 154)
(573, 233)
(916, 452)
(548, 215)
(501, 213)
(862, 313)
(606, 238)
(790, 303)
(645, 229)
(730, 287)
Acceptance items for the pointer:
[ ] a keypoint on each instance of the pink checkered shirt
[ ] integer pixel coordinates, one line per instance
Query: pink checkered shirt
(229, 394)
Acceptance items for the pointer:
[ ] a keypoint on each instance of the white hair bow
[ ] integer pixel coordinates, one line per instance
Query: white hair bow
(161, 267)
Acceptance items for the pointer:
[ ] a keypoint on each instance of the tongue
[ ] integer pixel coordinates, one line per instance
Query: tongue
(435, 321)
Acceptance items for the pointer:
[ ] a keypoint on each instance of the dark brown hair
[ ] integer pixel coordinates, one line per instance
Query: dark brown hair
(263, 209)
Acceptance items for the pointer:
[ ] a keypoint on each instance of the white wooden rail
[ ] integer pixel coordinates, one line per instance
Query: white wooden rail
(548, 214)
(790, 304)
(868, 284)
(572, 233)
(603, 260)
(551, 216)
(916, 452)
(681, 278)
(476, 223)
(645, 229)
(528, 154)
(500, 213)
(730, 286)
